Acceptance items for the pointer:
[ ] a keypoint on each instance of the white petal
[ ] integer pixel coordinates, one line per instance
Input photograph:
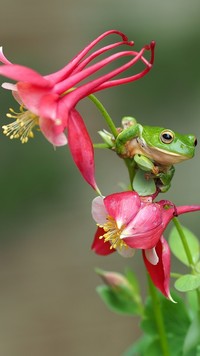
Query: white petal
(9, 86)
(152, 256)
(126, 251)
(99, 212)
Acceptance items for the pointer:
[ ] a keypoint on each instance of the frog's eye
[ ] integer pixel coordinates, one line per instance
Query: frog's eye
(167, 136)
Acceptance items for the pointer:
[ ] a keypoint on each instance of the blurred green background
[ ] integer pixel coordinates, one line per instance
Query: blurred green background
(48, 303)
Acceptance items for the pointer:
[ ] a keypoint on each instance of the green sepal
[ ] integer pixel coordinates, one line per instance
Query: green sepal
(177, 248)
(119, 299)
(107, 138)
(142, 185)
(187, 283)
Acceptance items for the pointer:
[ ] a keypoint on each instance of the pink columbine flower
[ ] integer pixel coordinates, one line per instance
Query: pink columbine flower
(49, 101)
(126, 222)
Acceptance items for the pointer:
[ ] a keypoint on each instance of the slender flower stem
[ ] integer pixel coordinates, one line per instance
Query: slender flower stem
(130, 164)
(159, 319)
(184, 241)
(105, 114)
(102, 109)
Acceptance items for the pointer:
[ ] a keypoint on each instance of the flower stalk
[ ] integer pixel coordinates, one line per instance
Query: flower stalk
(105, 114)
(159, 319)
(130, 164)
(187, 251)
(184, 242)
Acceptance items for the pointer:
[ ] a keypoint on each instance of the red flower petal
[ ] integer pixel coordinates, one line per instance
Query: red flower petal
(145, 229)
(122, 206)
(88, 88)
(24, 74)
(31, 95)
(168, 214)
(97, 53)
(160, 273)
(52, 132)
(64, 72)
(99, 246)
(148, 218)
(115, 82)
(145, 240)
(81, 147)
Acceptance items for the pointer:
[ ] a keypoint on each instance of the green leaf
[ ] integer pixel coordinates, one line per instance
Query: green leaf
(154, 349)
(146, 346)
(193, 352)
(187, 282)
(119, 300)
(143, 186)
(176, 322)
(192, 339)
(177, 246)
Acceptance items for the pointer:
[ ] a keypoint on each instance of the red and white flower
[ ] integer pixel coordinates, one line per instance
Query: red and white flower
(49, 101)
(126, 222)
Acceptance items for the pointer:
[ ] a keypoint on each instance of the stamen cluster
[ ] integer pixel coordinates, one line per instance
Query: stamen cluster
(112, 233)
(23, 125)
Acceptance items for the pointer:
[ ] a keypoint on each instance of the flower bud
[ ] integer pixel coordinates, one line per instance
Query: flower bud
(113, 279)
(107, 138)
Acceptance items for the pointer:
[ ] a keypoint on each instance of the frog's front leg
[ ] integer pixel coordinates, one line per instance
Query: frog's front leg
(122, 142)
(164, 179)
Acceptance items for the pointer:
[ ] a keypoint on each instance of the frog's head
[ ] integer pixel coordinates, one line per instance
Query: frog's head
(168, 147)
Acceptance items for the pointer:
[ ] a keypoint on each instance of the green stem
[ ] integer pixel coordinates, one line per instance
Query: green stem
(159, 319)
(100, 145)
(175, 275)
(105, 114)
(184, 241)
(187, 251)
(130, 164)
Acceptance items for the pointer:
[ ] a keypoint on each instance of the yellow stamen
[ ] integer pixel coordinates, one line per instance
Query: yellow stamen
(112, 234)
(23, 125)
